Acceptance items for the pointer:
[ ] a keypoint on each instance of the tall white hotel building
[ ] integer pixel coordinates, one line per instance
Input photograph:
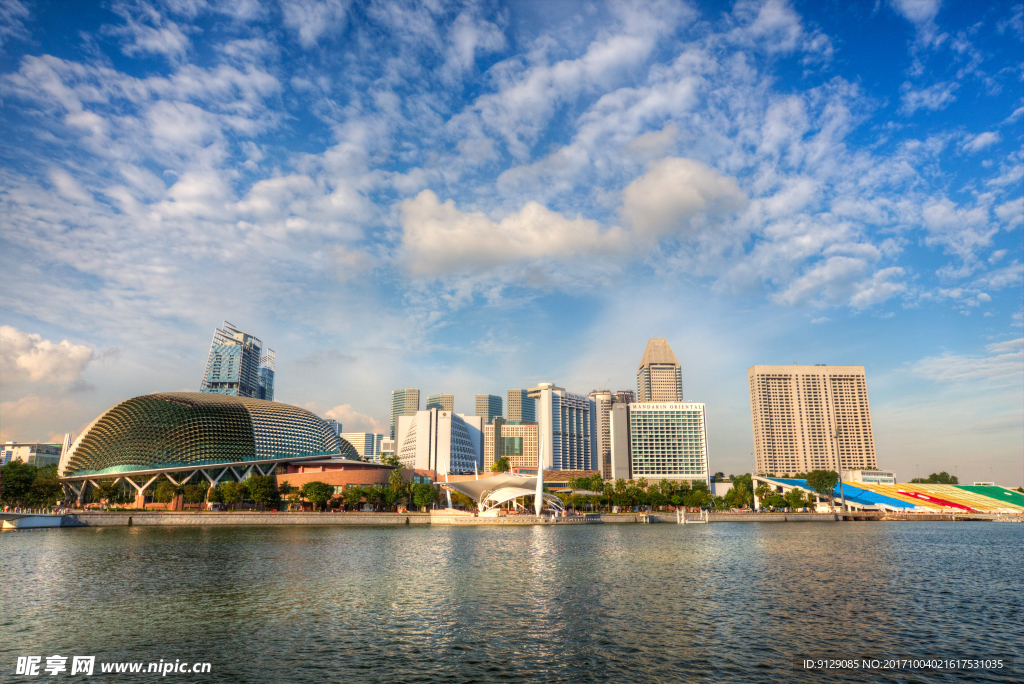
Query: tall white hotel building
(796, 411)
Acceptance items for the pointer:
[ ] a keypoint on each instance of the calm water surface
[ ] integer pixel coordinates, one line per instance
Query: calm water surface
(594, 603)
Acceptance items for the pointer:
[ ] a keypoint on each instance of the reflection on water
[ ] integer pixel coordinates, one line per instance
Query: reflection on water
(615, 603)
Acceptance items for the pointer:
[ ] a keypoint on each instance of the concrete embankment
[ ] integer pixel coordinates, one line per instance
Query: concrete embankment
(189, 519)
(139, 518)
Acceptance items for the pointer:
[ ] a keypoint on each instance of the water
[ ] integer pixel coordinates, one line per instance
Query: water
(589, 603)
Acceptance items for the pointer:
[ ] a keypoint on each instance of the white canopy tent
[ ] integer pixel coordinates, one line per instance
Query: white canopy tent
(492, 492)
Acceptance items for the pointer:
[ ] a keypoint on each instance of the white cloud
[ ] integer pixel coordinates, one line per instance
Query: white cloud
(146, 30)
(981, 141)
(1011, 213)
(1003, 364)
(25, 356)
(917, 11)
(353, 421)
(311, 19)
(933, 98)
(439, 238)
(672, 192)
(13, 15)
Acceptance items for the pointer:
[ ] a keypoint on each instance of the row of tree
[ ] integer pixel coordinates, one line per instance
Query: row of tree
(26, 486)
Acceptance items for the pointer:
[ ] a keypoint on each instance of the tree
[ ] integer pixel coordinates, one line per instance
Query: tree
(502, 465)
(217, 494)
(775, 500)
(263, 489)
(423, 495)
(233, 492)
(391, 460)
(718, 477)
(353, 495)
(824, 483)
(165, 492)
(195, 493)
(46, 489)
(795, 498)
(937, 478)
(317, 493)
(16, 483)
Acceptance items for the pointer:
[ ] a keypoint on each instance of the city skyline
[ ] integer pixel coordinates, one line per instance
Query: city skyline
(518, 194)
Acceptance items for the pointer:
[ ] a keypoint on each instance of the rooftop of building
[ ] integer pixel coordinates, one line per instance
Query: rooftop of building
(658, 352)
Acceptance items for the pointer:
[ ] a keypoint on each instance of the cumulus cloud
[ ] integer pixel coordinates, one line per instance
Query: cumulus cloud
(438, 238)
(28, 357)
(1004, 364)
(674, 191)
(353, 421)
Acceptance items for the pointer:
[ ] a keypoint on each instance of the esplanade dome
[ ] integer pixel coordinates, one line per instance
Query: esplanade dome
(188, 429)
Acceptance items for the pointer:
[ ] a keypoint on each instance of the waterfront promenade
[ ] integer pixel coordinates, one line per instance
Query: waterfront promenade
(247, 518)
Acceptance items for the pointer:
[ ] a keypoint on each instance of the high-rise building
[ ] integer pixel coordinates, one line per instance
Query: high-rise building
(442, 402)
(441, 441)
(619, 437)
(601, 421)
(268, 363)
(404, 402)
(565, 428)
(335, 425)
(365, 443)
(796, 411)
(521, 407)
(659, 378)
(238, 365)
(667, 441)
(488, 407)
(515, 441)
(602, 402)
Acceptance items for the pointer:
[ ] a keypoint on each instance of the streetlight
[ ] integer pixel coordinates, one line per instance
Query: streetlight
(839, 465)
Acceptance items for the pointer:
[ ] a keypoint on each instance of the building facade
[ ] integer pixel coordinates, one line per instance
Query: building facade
(659, 378)
(797, 411)
(335, 425)
(441, 441)
(521, 407)
(36, 454)
(238, 366)
(668, 441)
(516, 441)
(366, 444)
(404, 402)
(442, 402)
(565, 430)
(488, 407)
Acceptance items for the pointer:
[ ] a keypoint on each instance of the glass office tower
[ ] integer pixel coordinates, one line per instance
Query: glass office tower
(237, 365)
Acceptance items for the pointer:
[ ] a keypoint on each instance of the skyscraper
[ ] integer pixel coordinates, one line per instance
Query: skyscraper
(565, 428)
(404, 402)
(603, 401)
(443, 402)
(521, 407)
(238, 366)
(488, 407)
(659, 378)
(796, 411)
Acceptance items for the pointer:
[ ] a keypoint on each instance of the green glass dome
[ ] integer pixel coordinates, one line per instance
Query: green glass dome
(182, 429)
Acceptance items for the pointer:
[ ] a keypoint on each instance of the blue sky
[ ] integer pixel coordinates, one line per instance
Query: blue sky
(471, 197)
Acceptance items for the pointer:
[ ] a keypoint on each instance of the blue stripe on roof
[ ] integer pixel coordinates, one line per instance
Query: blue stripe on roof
(861, 497)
